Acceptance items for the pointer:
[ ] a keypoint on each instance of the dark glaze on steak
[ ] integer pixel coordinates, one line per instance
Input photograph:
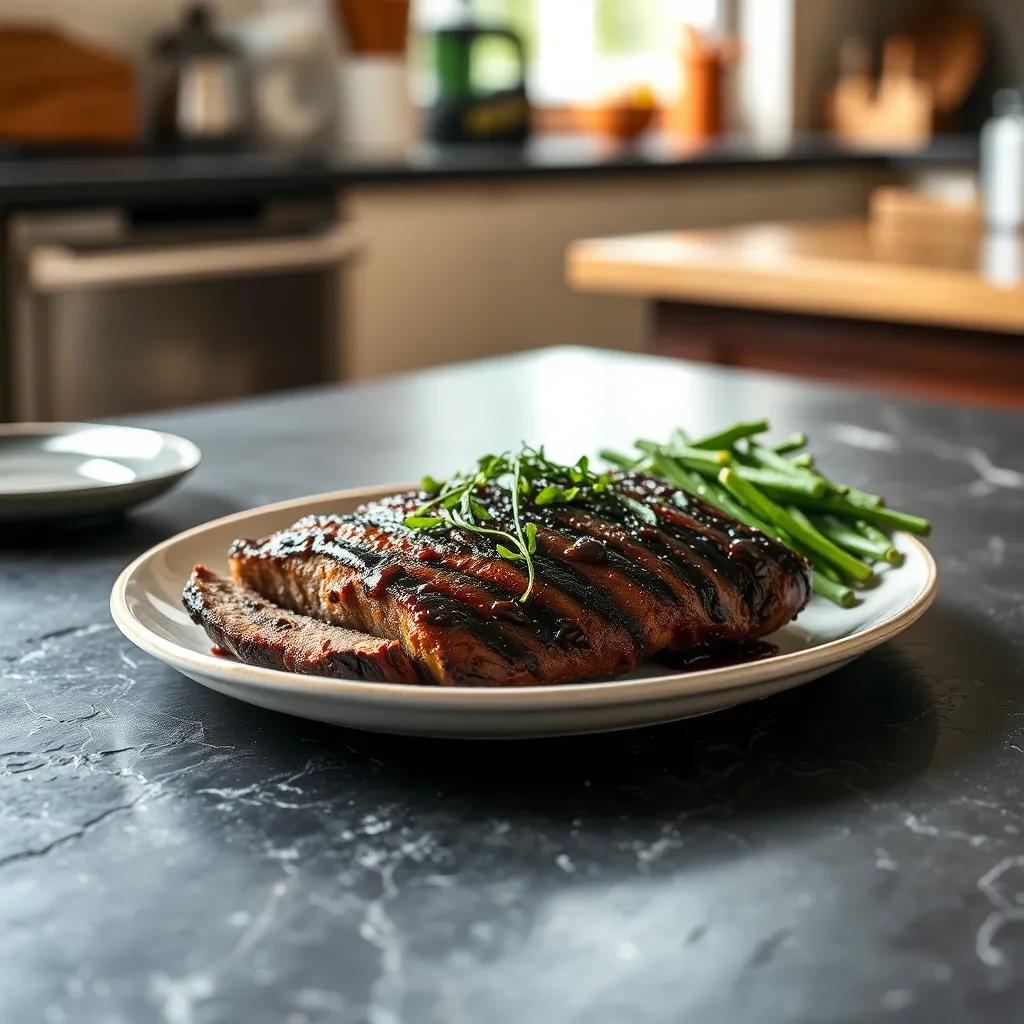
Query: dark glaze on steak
(611, 590)
(257, 632)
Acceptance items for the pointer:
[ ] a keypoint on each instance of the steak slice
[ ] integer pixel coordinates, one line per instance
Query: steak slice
(258, 632)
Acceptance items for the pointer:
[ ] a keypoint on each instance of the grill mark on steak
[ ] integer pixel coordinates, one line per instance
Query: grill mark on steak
(259, 632)
(439, 594)
(761, 555)
(439, 608)
(625, 560)
(550, 567)
(689, 554)
(696, 533)
(678, 567)
(301, 542)
(617, 594)
(433, 599)
(758, 554)
(442, 550)
(561, 573)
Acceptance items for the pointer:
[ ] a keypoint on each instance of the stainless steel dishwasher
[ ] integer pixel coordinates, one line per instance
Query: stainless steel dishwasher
(119, 311)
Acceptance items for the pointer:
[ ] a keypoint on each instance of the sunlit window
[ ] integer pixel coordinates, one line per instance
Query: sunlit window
(579, 50)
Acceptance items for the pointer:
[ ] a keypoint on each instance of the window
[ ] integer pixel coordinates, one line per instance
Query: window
(579, 50)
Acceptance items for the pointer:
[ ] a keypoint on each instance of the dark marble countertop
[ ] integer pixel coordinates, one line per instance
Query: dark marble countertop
(850, 851)
(49, 179)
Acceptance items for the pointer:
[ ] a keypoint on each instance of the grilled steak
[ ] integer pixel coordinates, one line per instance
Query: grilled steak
(611, 588)
(237, 619)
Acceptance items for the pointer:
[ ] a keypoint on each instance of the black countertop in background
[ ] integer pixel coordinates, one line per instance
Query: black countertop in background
(50, 180)
(850, 851)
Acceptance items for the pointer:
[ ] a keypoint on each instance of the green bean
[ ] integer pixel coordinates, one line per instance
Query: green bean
(783, 484)
(728, 437)
(618, 459)
(667, 467)
(763, 507)
(792, 443)
(711, 457)
(835, 591)
(858, 497)
(771, 460)
(805, 521)
(846, 536)
(865, 529)
(884, 517)
(872, 533)
(780, 484)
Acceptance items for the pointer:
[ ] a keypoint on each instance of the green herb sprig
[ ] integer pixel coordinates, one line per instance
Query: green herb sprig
(529, 478)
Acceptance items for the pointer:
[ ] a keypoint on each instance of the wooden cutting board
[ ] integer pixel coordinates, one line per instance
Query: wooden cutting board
(55, 89)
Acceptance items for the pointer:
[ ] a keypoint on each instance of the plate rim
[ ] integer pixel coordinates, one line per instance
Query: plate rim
(188, 451)
(607, 692)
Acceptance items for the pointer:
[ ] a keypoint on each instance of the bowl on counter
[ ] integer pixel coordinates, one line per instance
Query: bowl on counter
(619, 118)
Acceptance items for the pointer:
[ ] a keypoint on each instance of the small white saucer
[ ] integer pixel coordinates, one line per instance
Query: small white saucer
(70, 470)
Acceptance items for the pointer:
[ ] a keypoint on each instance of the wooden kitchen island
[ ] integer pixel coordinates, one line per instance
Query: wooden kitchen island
(929, 312)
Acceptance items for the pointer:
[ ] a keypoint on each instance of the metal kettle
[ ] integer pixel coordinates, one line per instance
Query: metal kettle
(200, 89)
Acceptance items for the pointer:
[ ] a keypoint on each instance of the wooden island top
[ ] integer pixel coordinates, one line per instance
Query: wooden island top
(836, 268)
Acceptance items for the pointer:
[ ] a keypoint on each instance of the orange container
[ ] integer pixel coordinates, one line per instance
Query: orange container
(697, 112)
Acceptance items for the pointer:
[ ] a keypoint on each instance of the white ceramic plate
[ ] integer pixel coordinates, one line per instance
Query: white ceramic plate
(146, 605)
(71, 470)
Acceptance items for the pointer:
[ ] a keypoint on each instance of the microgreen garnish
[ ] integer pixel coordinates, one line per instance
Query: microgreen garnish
(528, 478)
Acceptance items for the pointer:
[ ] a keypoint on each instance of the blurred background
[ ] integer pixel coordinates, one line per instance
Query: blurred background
(214, 199)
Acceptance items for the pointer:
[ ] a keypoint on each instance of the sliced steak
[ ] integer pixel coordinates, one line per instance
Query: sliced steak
(258, 632)
(611, 590)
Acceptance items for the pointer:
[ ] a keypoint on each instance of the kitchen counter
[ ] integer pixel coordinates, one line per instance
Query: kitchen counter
(842, 268)
(548, 155)
(935, 312)
(850, 850)
(49, 180)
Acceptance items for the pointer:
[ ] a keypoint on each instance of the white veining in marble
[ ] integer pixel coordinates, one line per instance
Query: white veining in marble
(989, 475)
(861, 437)
(1003, 885)
(923, 828)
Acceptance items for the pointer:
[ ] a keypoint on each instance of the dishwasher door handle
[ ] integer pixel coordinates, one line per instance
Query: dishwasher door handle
(59, 268)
